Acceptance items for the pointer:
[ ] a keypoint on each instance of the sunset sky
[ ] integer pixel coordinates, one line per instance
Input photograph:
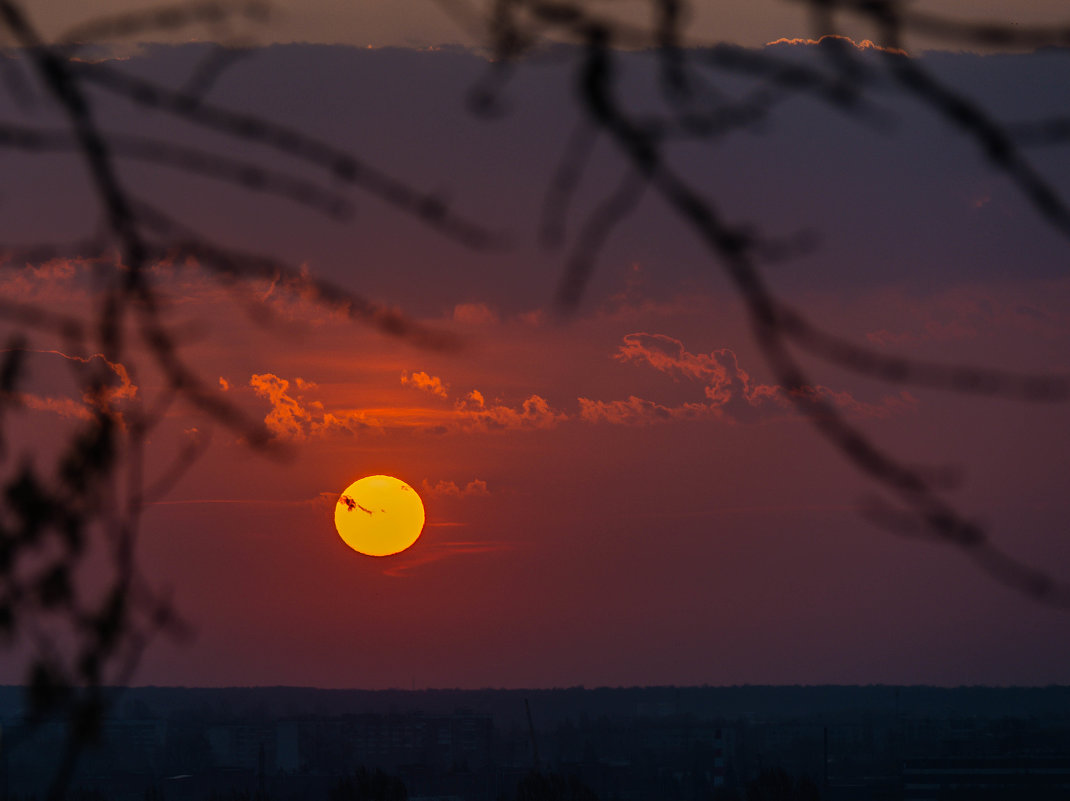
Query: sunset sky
(423, 23)
(620, 497)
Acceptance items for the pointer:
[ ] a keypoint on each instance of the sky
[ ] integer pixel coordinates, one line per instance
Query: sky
(423, 23)
(620, 497)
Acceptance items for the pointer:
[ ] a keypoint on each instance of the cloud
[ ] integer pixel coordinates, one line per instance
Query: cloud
(345, 421)
(64, 407)
(474, 314)
(288, 419)
(293, 417)
(473, 412)
(636, 411)
(111, 380)
(533, 318)
(117, 385)
(296, 414)
(981, 313)
(865, 44)
(724, 390)
(437, 551)
(730, 392)
(932, 331)
(535, 412)
(477, 487)
(889, 405)
(667, 355)
(53, 284)
(729, 389)
(428, 383)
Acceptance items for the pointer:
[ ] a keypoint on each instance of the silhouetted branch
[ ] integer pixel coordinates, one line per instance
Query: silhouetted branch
(212, 67)
(96, 499)
(899, 370)
(994, 140)
(593, 235)
(1053, 131)
(566, 181)
(739, 251)
(795, 78)
(245, 174)
(240, 265)
(1001, 34)
(187, 457)
(98, 492)
(340, 165)
(31, 316)
(161, 18)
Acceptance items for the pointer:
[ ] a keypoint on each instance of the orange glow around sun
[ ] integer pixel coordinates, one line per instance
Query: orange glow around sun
(379, 515)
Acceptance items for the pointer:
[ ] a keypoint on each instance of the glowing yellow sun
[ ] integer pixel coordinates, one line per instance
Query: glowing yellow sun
(379, 515)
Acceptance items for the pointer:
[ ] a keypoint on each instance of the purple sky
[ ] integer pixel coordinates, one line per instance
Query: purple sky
(622, 498)
(423, 23)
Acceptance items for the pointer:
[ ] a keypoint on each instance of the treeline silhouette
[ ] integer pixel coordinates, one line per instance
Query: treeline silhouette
(773, 784)
(682, 744)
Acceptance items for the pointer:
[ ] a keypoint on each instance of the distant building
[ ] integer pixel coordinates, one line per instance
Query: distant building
(239, 745)
(458, 742)
(1011, 778)
(693, 750)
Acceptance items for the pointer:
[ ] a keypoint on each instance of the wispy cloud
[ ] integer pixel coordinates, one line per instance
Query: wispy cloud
(865, 44)
(971, 313)
(429, 553)
(535, 412)
(293, 416)
(477, 487)
(730, 392)
(238, 502)
(64, 407)
(474, 314)
(296, 413)
(111, 381)
(637, 411)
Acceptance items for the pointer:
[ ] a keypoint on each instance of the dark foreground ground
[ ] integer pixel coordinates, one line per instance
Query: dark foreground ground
(632, 744)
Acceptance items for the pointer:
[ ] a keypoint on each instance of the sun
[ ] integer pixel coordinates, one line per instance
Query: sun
(379, 515)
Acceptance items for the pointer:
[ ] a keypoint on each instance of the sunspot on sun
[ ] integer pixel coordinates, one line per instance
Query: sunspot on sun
(379, 516)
